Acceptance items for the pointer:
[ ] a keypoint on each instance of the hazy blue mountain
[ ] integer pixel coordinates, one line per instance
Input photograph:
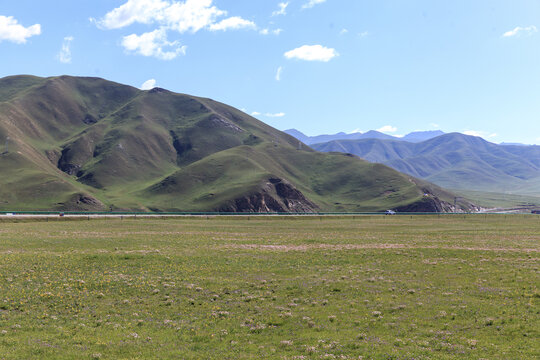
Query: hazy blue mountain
(299, 135)
(416, 136)
(419, 136)
(512, 144)
(321, 138)
(373, 134)
(453, 161)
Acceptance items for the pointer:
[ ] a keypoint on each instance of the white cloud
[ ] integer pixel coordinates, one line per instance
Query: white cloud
(312, 3)
(167, 15)
(148, 84)
(153, 44)
(356, 131)
(363, 34)
(11, 30)
(268, 31)
(64, 56)
(312, 53)
(134, 11)
(343, 31)
(529, 30)
(434, 125)
(181, 16)
(282, 9)
(234, 23)
(276, 115)
(191, 15)
(278, 73)
(387, 129)
(472, 133)
(481, 134)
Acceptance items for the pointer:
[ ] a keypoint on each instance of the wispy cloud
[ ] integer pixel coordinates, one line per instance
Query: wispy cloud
(268, 31)
(343, 31)
(312, 53)
(275, 115)
(356, 131)
(282, 9)
(64, 56)
(148, 84)
(278, 73)
(233, 23)
(529, 30)
(387, 129)
(11, 30)
(312, 3)
(270, 115)
(363, 34)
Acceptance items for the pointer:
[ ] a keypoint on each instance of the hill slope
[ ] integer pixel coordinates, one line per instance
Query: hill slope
(454, 161)
(91, 144)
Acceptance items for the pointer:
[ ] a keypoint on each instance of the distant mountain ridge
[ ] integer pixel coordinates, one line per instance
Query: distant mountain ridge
(416, 136)
(454, 161)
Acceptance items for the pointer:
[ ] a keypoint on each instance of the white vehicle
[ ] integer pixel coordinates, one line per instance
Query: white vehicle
(390, 212)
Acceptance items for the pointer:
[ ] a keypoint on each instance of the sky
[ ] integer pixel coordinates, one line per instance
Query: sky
(319, 66)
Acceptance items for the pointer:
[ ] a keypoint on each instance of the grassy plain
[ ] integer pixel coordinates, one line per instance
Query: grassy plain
(500, 200)
(396, 287)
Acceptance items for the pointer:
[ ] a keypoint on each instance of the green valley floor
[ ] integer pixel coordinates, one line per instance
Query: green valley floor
(362, 287)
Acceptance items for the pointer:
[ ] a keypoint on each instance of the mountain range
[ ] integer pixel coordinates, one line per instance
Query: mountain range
(453, 161)
(416, 136)
(75, 143)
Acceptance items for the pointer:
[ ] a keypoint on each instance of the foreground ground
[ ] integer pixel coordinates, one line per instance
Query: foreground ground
(395, 287)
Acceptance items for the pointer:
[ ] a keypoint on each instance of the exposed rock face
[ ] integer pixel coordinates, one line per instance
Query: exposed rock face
(180, 145)
(428, 204)
(53, 156)
(224, 123)
(89, 119)
(158, 90)
(276, 195)
(88, 200)
(82, 202)
(260, 202)
(66, 165)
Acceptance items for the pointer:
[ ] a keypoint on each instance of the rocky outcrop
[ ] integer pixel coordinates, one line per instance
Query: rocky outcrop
(65, 164)
(426, 204)
(276, 195)
(82, 202)
(432, 204)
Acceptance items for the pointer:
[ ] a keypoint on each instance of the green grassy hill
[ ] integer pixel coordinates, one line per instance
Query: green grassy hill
(454, 161)
(91, 144)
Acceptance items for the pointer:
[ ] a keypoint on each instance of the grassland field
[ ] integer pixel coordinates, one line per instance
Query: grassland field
(363, 287)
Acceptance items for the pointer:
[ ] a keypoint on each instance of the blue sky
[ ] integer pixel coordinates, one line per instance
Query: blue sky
(320, 66)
